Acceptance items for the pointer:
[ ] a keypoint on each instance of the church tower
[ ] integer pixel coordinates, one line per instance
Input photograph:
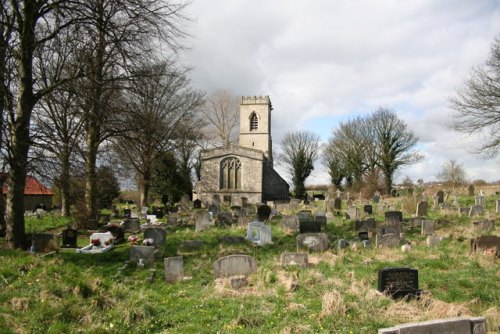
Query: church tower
(255, 124)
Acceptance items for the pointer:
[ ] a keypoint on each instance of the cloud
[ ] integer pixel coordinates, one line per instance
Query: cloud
(326, 61)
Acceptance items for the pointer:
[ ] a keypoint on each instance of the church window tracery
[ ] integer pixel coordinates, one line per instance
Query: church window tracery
(230, 172)
(254, 122)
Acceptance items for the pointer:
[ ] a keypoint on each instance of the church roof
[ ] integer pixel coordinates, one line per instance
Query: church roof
(232, 150)
(31, 187)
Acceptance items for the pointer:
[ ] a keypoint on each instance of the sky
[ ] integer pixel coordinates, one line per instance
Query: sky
(326, 61)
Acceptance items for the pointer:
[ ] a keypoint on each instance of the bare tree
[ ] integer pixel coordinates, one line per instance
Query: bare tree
(299, 151)
(221, 110)
(158, 104)
(452, 174)
(477, 103)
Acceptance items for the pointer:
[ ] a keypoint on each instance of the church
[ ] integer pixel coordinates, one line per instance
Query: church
(244, 173)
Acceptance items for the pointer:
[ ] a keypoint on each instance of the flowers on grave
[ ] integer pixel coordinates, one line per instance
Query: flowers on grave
(95, 242)
(148, 242)
(133, 239)
(109, 241)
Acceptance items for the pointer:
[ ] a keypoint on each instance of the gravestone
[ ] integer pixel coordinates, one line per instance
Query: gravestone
(476, 210)
(422, 209)
(131, 225)
(342, 244)
(225, 218)
(174, 268)
(44, 243)
(238, 211)
(173, 217)
(259, 233)
(127, 213)
(398, 282)
(352, 213)
(376, 197)
(244, 202)
(197, 204)
(337, 203)
(349, 203)
(151, 219)
(462, 325)
(294, 203)
(299, 259)
(118, 233)
(69, 238)
(393, 217)
(387, 240)
(483, 226)
(158, 235)
(432, 241)
(146, 253)
(436, 202)
(489, 244)
(368, 209)
(479, 200)
(368, 225)
(263, 213)
(304, 215)
(290, 224)
(497, 210)
(363, 235)
(464, 211)
(428, 227)
(232, 265)
(317, 242)
(330, 207)
(320, 218)
(471, 190)
(202, 220)
(309, 226)
(440, 197)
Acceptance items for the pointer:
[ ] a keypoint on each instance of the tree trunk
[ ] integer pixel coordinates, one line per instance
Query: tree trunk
(65, 185)
(144, 185)
(90, 186)
(388, 183)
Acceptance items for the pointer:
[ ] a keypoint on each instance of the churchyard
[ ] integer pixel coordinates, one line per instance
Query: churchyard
(340, 265)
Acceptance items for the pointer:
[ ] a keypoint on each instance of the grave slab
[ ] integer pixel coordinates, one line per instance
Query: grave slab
(233, 265)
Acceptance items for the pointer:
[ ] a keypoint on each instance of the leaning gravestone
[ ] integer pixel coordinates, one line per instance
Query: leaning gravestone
(462, 325)
(202, 220)
(387, 240)
(44, 242)
(118, 233)
(422, 209)
(300, 259)
(174, 268)
(476, 210)
(428, 227)
(352, 213)
(486, 243)
(142, 254)
(233, 265)
(263, 213)
(398, 282)
(158, 235)
(69, 238)
(317, 242)
(471, 190)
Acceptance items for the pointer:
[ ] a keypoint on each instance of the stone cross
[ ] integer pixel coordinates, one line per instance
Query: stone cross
(338, 192)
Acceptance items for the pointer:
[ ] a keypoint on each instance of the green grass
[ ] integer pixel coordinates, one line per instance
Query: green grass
(75, 293)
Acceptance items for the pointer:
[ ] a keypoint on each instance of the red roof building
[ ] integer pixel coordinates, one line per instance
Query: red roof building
(35, 193)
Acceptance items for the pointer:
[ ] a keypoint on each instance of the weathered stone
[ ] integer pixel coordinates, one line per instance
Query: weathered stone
(470, 190)
(483, 226)
(263, 213)
(476, 210)
(158, 235)
(44, 242)
(259, 233)
(432, 241)
(368, 209)
(300, 259)
(131, 225)
(233, 265)
(428, 227)
(69, 238)
(440, 197)
(391, 217)
(342, 244)
(352, 213)
(202, 220)
(422, 209)
(290, 224)
(238, 282)
(174, 268)
(146, 253)
(462, 325)
(313, 241)
(398, 282)
(337, 203)
(368, 224)
(320, 218)
(387, 240)
(489, 244)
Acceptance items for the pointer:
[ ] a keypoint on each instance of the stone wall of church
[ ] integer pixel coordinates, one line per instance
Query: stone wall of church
(275, 187)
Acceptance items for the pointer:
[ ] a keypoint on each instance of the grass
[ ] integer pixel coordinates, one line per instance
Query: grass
(75, 293)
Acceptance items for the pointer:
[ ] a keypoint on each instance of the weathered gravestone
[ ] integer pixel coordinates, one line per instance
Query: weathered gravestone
(320, 218)
(349, 203)
(376, 198)
(263, 213)
(464, 211)
(131, 225)
(368, 225)
(387, 240)
(352, 213)
(471, 190)
(337, 203)
(489, 244)
(233, 265)
(294, 203)
(330, 207)
(392, 218)
(304, 215)
(197, 204)
(225, 218)
(289, 224)
(69, 238)
(299, 259)
(368, 209)
(342, 244)
(432, 240)
(428, 227)
(462, 325)
(185, 203)
(309, 226)
(259, 233)
(201, 220)
(158, 235)
(174, 268)
(363, 235)
(44, 243)
(440, 197)
(317, 242)
(127, 213)
(483, 226)
(238, 211)
(173, 217)
(422, 209)
(142, 254)
(476, 210)
(479, 200)
(118, 233)
(398, 282)
(497, 210)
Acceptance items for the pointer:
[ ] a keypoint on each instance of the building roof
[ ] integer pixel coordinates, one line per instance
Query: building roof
(32, 187)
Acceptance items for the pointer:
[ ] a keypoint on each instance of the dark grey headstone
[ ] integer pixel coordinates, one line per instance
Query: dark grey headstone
(368, 224)
(337, 203)
(158, 235)
(393, 216)
(289, 224)
(363, 235)
(398, 282)
(44, 242)
(368, 209)
(118, 233)
(440, 196)
(486, 243)
(387, 240)
(263, 213)
(69, 238)
(309, 226)
(470, 190)
(422, 209)
(428, 227)
(146, 253)
(476, 210)
(342, 244)
(131, 224)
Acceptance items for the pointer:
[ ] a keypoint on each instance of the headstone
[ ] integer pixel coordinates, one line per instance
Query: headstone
(464, 211)
(294, 203)
(330, 207)
(391, 217)
(309, 226)
(263, 213)
(470, 190)
(317, 242)
(131, 225)
(342, 244)
(174, 268)
(432, 241)
(127, 213)
(259, 233)
(376, 197)
(363, 235)
(436, 202)
(300, 259)
(173, 217)
(337, 203)
(238, 211)
(185, 203)
(483, 226)
(497, 210)
(69, 238)
(151, 219)
(225, 218)
(368, 224)
(118, 233)
(44, 243)
(158, 235)
(428, 227)
(387, 240)
(244, 202)
(202, 220)
(349, 203)
(479, 200)
(234, 265)
(196, 204)
(352, 213)
(476, 210)
(320, 218)
(440, 197)
(304, 215)
(368, 209)
(462, 325)
(144, 253)
(398, 282)
(422, 209)
(290, 224)
(489, 244)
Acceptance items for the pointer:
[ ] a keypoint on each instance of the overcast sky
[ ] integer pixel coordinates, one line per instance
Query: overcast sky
(325, 61)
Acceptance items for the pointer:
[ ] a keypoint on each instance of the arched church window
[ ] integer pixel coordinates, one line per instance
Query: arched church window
(230, 173)
(254, 122)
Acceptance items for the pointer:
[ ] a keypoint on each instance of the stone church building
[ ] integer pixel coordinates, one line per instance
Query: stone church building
(244, 173)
